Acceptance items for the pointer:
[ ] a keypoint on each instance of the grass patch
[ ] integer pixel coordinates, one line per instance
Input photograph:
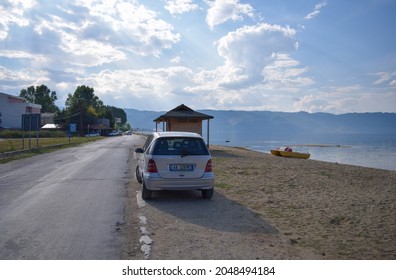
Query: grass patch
(325, 174)
(38, 146)
(10, 134)
(223, 186)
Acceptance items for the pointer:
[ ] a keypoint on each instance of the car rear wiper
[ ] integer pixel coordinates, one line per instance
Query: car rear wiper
(184, 153)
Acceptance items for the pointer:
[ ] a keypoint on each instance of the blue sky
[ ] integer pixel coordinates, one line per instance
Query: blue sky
(331, 56)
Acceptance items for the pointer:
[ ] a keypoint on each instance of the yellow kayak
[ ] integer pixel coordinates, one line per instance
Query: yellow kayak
(275, 152)
(294, 154)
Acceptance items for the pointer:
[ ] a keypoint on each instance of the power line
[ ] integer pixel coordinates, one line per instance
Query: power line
(68, 117)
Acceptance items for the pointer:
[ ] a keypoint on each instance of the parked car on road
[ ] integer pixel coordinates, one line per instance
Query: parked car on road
(175, 161)
(115, 133)
(92, 134)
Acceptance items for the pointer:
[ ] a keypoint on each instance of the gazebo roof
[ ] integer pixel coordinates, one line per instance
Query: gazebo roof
(182, 111)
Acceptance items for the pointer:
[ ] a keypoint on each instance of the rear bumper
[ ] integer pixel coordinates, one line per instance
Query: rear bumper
(154, 183)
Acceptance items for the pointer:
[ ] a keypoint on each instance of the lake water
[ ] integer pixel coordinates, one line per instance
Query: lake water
(377, 151)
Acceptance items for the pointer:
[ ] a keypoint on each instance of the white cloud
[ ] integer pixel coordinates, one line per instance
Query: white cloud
(180, 6)
(80, 51)
(316, 11)
(89, 53)
(284, 72)
(148, 83)
(24, 77)
(384, 77)
(13, 12)
(248, 50)
(127, 24)
(313, 103)
(346, 100)
(176, 60)
(257, 68)
(15, 54)
(256, 42)
(221, 11)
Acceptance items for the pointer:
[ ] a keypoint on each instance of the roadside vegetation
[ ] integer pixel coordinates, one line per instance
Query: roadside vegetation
(12, 134)
(17, 148)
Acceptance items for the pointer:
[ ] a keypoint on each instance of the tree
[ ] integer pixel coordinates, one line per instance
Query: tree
(86, 95)
(118, 114)
(106, 113)
(41, 95)
(83, 107)
(127, 127)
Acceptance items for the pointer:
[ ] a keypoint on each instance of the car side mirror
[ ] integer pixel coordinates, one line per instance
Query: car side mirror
(139, 151)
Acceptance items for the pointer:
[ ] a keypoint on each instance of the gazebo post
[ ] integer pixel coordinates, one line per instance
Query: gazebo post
(207, 134)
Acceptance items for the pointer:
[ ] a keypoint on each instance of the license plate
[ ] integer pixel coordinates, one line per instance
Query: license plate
(181, 167)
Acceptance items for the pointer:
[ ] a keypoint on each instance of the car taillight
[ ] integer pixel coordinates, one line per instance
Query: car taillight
(208, 167)
(152, 167)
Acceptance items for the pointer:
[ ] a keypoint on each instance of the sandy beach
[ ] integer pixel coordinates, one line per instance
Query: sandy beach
(325, 210)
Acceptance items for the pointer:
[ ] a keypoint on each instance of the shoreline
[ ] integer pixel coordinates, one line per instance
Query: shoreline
(321, 145)
(268, 153)
(330, 210)
(340, 147)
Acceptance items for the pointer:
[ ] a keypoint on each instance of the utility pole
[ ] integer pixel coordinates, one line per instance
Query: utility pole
(80, 101)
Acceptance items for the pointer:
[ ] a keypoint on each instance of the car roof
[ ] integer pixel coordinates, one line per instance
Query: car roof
(176, 134)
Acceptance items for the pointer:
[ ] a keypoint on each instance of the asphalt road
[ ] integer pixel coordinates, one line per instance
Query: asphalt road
(68, 204)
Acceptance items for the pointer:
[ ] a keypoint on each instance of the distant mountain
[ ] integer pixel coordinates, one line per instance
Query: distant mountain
(142, 119)
(265, 125)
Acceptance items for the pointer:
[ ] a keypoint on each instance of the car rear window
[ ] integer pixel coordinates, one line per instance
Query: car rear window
(148, 142)
(179, 146)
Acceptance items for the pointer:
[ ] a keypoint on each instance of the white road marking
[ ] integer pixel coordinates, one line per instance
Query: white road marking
(144, 240)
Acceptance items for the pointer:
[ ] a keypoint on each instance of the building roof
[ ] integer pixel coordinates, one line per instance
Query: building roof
(182, 111)
(50, 126)
(18, 99)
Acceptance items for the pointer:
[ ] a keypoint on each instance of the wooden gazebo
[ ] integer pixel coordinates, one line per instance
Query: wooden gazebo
(183, 118)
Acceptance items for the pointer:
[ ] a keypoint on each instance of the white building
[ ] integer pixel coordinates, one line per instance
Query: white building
(12, 107)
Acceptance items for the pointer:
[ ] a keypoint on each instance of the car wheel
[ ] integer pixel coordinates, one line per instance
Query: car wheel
(138, 175)
(207, 194)
(146, 194)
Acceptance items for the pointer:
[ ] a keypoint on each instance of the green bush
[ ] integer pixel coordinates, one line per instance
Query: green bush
(10, 134)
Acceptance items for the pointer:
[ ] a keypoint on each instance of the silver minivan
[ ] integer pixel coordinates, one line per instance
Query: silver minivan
(174, 160)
